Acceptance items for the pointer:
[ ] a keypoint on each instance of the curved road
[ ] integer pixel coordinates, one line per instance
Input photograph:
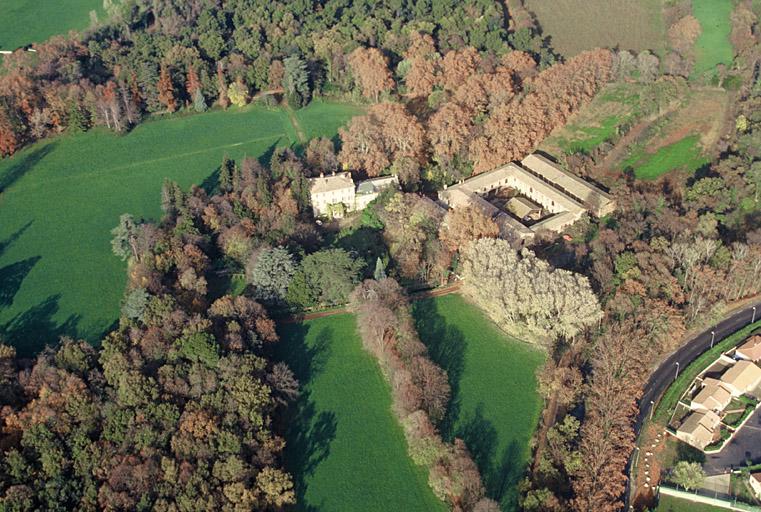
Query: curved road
(665, 374)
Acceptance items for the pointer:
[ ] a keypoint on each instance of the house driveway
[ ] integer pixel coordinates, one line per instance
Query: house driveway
(746, 445)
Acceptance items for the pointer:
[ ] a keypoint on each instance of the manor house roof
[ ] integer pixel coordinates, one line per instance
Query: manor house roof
(332, 183)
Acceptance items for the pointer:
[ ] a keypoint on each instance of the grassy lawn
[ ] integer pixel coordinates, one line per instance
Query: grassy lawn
(713, 47)
(575, 26)
(685, 154)
(495, 406)
(33, 21)
(321, 118)
(344, 445)
(59, 200)
(671, 504)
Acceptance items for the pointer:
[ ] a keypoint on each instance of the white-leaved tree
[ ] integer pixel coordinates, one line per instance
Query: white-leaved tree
(517, 289)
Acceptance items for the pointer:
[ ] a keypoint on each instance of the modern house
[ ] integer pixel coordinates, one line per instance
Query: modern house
(548, 194)
(699, 428)
(742, 377)
(335, 195)
(714, 396)
(750, 350)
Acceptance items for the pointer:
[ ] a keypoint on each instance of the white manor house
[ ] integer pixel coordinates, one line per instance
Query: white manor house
(335, 195)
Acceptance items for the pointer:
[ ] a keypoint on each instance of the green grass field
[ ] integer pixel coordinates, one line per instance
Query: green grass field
(713, 47)
(495, 406)
(59, 200)
(671, 504)
(344, 445)
(684, 154)
(32, 21)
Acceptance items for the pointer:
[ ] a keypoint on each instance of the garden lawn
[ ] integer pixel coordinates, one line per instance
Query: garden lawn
(344, 446)
(32, 21)
(713, 46)
(495, 406)
(685, 154)
(672, 504)
(60, 198)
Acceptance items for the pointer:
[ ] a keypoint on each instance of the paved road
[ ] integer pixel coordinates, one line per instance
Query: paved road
(666, 372)
(746, 445)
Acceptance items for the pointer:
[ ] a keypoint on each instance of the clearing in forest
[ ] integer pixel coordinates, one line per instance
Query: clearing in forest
(713, 47)
(578, 25)
(23, 22)
(495, 405)
(344, 448)
(60, 198)
(668, 126)
(682, 139)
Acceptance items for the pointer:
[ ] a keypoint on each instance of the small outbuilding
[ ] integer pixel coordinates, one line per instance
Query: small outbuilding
(524, 209)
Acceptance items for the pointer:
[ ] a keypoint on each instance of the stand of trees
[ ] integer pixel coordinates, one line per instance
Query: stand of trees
(520, 291)
(160, 56)
(420, 392)
(175, 411)
(482, 112)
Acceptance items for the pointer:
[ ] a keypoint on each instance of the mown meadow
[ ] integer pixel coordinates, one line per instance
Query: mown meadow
(32, 21)
(344, 446)
(495, 405)
(60, 198)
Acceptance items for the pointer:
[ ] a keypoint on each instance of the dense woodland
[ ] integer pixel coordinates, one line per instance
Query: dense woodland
(153, 57)
(180, 407)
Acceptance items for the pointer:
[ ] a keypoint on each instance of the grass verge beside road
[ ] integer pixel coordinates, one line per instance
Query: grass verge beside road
(671, 397)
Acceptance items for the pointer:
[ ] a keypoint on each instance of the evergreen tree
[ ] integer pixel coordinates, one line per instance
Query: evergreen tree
(380, 270)
(77, 118)
(296, 81)
(226, 174)
(199, 102)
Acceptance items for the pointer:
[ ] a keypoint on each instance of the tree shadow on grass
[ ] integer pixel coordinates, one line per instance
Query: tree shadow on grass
(24, 164)
(11, 277)
(31, 330)
(4, 244)
(446, 347)
(500, 474)
(308, 433)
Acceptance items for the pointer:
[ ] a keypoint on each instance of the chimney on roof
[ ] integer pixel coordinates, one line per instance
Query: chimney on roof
(333, 173)
(322, 174)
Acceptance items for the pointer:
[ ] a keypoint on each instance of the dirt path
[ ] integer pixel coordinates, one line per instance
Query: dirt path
(617, 153)
(427, 294)
(296, 126)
